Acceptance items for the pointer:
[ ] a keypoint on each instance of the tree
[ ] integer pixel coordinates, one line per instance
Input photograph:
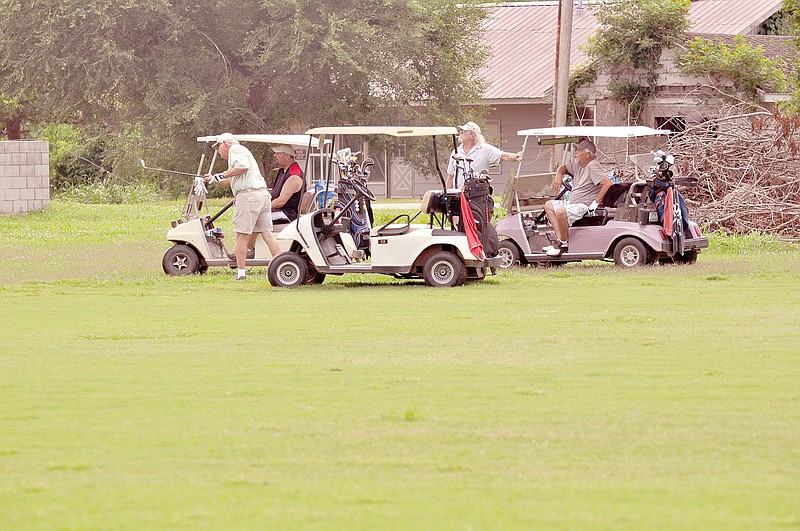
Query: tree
(629, 41)
(153, 74)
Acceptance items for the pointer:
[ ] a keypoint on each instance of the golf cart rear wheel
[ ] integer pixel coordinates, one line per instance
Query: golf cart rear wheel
(444, 270)
(631, 252)
(314, 276)
(180, 260)
(287, 270)
(686, 258)
(509, 252)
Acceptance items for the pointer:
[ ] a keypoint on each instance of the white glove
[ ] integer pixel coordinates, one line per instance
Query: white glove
(592, 207)
(199, 186)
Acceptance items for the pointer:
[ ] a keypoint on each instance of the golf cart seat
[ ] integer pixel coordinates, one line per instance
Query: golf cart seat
(428, 204)
(306, 201)
(600, 217)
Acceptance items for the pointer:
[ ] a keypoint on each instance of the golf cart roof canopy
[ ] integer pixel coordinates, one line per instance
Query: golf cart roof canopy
(292, 140)
(610, 131)
(398, 131)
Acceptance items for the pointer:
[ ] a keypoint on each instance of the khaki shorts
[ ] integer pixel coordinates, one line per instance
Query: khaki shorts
(575, 211)
(252, 212)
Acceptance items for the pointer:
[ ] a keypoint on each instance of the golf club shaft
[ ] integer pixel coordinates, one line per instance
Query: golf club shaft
(169, 171)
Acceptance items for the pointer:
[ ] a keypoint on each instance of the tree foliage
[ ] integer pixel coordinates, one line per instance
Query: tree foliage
(629, 41)
(792, 16)
(744, 64)
(154, 74)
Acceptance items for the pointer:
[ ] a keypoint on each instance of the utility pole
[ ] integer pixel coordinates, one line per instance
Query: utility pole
(561, 85)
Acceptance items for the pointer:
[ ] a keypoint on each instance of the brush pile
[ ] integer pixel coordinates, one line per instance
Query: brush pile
(748, 170)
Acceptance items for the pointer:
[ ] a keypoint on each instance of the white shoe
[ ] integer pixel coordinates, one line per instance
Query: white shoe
(557, 248)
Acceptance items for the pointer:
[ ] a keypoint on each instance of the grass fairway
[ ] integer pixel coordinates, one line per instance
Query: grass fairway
(573, 397)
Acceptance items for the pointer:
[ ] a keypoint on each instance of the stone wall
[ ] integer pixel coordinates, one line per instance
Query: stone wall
(24, 176)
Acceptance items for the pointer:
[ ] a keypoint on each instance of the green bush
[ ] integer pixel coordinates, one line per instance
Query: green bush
(110, 193)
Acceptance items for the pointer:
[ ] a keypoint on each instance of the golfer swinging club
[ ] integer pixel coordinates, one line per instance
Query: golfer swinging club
(251, 203)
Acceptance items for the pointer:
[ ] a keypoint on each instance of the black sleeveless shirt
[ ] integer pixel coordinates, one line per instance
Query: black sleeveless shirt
(292, 205)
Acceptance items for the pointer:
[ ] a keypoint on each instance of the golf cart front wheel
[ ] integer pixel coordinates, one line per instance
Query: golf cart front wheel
(509, 254)
(180, 260)
(444, 270)
(287, 270)
(631, 252)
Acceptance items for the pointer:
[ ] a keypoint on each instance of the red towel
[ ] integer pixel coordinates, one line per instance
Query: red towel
(473, 240)
(668, 212)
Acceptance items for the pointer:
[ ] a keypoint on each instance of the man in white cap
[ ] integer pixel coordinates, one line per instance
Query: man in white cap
(473, 153)
(251, 207)
(288, 188)
(589, 185)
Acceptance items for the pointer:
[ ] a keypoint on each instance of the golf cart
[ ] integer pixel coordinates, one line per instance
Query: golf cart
(320, 243)
(628, 227)
(197, 243)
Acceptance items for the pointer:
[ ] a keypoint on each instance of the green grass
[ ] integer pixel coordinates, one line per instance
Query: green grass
(576, 397)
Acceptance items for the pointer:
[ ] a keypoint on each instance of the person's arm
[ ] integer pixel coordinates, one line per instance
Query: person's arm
(292, 185)
(224, 178)
(605, 185)
(449, 181)
(559, 175)
(515, 157)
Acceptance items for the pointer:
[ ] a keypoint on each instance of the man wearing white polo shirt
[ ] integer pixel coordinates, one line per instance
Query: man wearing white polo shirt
(473, 153)
(251, 203)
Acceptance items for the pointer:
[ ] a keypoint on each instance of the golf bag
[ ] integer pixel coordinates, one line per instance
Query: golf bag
(478, 192)
(358, 218)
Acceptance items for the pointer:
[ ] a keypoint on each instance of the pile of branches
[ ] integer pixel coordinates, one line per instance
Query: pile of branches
(747, 167)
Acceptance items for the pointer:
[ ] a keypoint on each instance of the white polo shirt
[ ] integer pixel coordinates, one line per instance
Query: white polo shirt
(482, 156)
(240, 157)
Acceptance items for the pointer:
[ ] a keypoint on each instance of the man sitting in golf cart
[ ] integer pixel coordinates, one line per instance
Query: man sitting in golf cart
(589, 185)
(288, 188)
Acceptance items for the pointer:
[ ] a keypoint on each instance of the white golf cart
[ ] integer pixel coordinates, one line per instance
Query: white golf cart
(197, 243)
(627, 228)
(320, 244)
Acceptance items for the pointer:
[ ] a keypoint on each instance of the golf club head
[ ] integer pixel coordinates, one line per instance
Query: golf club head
(141, 161)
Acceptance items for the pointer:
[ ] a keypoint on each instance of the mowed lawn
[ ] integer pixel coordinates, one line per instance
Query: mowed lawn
(574, 397)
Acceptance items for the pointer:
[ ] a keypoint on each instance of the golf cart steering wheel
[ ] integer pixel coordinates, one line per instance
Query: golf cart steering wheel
(362, 189)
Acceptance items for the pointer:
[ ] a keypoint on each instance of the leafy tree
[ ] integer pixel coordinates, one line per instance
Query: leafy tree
(791, 9)
(629, 41)
(741, 62)
(148, 76)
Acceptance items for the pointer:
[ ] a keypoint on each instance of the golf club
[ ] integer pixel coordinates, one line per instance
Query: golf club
(168, 171)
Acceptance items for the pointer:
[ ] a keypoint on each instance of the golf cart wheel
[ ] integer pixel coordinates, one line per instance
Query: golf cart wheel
(180, 260)
(314, 276)
(287, 270)
(509, 252)
(444, 270)
(687, 257)
(631, 252)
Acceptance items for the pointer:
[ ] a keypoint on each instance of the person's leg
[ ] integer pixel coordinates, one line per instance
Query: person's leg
(560, 224)
(242, 242)
(272, 243)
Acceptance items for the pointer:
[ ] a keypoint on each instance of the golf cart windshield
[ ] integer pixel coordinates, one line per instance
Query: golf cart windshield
(532, 191)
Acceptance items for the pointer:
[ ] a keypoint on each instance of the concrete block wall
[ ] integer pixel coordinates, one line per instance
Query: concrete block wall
(24, 176)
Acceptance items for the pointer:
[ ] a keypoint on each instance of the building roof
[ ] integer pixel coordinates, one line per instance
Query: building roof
(731, 17)
(522, 37)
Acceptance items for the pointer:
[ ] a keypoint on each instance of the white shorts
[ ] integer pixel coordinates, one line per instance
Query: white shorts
(575, 211)
(251, 211)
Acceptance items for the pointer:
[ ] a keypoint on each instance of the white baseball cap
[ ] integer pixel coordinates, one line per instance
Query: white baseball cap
(470, 126)
(283, 148)
(225, 137)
